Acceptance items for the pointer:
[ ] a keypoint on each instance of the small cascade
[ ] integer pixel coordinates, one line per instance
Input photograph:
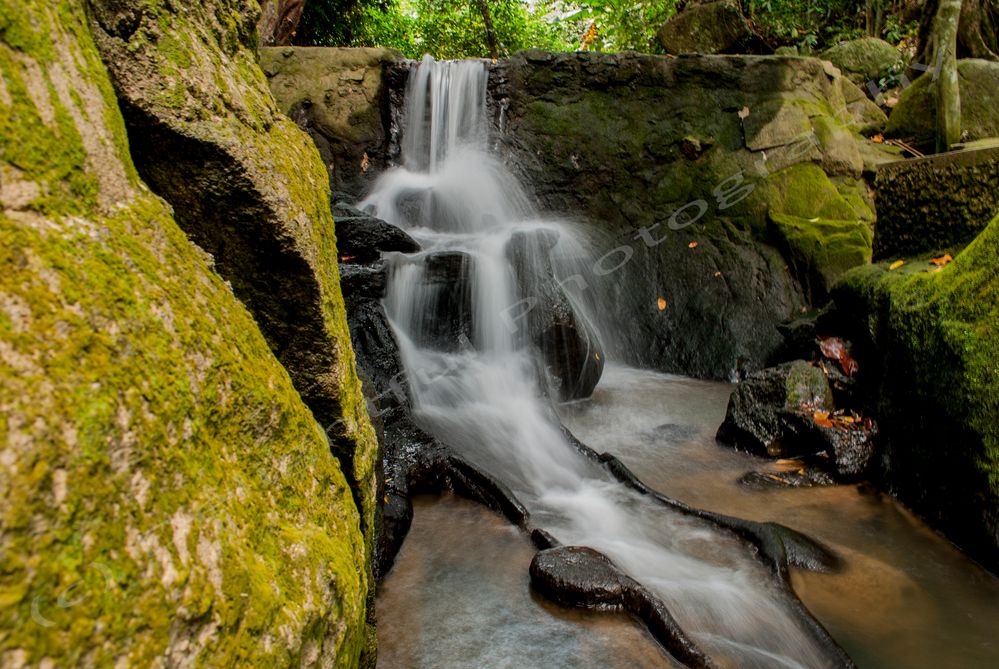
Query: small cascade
(493, 317)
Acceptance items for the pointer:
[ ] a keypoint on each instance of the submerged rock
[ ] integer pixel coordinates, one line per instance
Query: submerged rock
(765, 414)
(168, 498)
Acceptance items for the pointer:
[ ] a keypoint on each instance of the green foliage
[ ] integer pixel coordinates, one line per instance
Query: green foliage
(456, 28)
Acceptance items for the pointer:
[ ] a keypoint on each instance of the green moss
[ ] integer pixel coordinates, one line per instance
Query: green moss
(819, 250)
(865, 59)
(805, 191)
(167, 493)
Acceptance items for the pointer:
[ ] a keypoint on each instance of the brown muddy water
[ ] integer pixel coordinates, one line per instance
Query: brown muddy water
(459, 595)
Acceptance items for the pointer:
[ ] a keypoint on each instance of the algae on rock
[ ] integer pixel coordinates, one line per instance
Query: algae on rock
(167, 498)
(249, 188)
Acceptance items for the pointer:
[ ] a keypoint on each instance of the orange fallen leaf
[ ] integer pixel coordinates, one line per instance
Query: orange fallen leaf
(821, 418)
(717, 274)
(661, 302)
(834, 349)
(895, 265)
(942, 260)
(878, 139)
(692, 245)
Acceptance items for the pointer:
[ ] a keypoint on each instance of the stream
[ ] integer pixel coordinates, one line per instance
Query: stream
(458, 595)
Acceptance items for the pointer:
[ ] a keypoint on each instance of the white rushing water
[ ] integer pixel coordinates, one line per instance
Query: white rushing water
(482, 394)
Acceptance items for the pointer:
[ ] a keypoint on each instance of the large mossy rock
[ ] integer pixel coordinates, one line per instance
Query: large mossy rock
(717, 26)
(863, 60)
(936, 337)
(679, 164)
(338, 96)
(249, 188)
(914, 117)
(167, 498)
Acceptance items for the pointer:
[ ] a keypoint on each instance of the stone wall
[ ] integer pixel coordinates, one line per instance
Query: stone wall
(935, 204)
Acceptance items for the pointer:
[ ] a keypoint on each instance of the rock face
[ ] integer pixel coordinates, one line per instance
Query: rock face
(167, 497)
(339, 97)
(914, 118)
(863, 60)
(935, 203)
(936, 339)
(711, 27)
(682, 164)
(362, 238)
(247, 187)
(765, 414)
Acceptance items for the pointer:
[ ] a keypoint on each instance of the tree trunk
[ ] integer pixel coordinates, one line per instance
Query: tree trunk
(874, 17)
(490, 31)
(947, 88)
(279, 21)
(977, 37)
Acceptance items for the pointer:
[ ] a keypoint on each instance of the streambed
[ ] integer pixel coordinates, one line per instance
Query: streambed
(459, 595)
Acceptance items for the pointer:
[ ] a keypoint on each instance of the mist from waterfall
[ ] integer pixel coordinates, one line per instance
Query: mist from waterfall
(483, 393)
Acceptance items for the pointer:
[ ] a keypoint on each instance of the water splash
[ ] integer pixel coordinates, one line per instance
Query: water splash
(476, 386)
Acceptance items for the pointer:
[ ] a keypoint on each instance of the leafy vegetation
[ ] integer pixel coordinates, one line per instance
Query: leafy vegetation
(476, 28)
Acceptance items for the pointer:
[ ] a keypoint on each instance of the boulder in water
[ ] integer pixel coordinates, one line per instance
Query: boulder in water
(765, 413)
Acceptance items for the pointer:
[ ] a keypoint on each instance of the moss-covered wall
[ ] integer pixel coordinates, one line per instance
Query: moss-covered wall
(167, 498)
(936, 342)
(935, 204)
(249, 188)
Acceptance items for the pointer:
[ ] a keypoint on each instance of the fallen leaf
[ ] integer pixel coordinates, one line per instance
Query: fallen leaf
(942, 260)
(692, 245)
(784, 461)
(661, 302)
(895, 265)
(717, 274)
(878, 139)
(744, 112)
(814, 220)
(835, 349)
(365, 162)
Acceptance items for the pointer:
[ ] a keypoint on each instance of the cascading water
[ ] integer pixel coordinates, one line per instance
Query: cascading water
(476, 387)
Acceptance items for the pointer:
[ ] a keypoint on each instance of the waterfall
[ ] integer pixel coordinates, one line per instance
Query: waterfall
(458, 311)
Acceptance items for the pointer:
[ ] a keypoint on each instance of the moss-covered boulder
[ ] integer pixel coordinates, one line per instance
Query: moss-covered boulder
(716, 26)
(820, 251)
(167, 499)
(677, 163)
(914, 117)
(936, 338)
(249, 188)
(338, 96)
(865, 59)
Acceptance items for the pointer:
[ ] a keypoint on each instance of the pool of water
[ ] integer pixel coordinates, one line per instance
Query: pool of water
(459, 595)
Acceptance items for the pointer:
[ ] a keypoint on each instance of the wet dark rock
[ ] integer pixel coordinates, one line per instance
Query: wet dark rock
(808, 477)
(363, 280)
(362, 238)
(571, 352)
(851, 448)
(765, 415)
(578, 576)
(582, 577)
